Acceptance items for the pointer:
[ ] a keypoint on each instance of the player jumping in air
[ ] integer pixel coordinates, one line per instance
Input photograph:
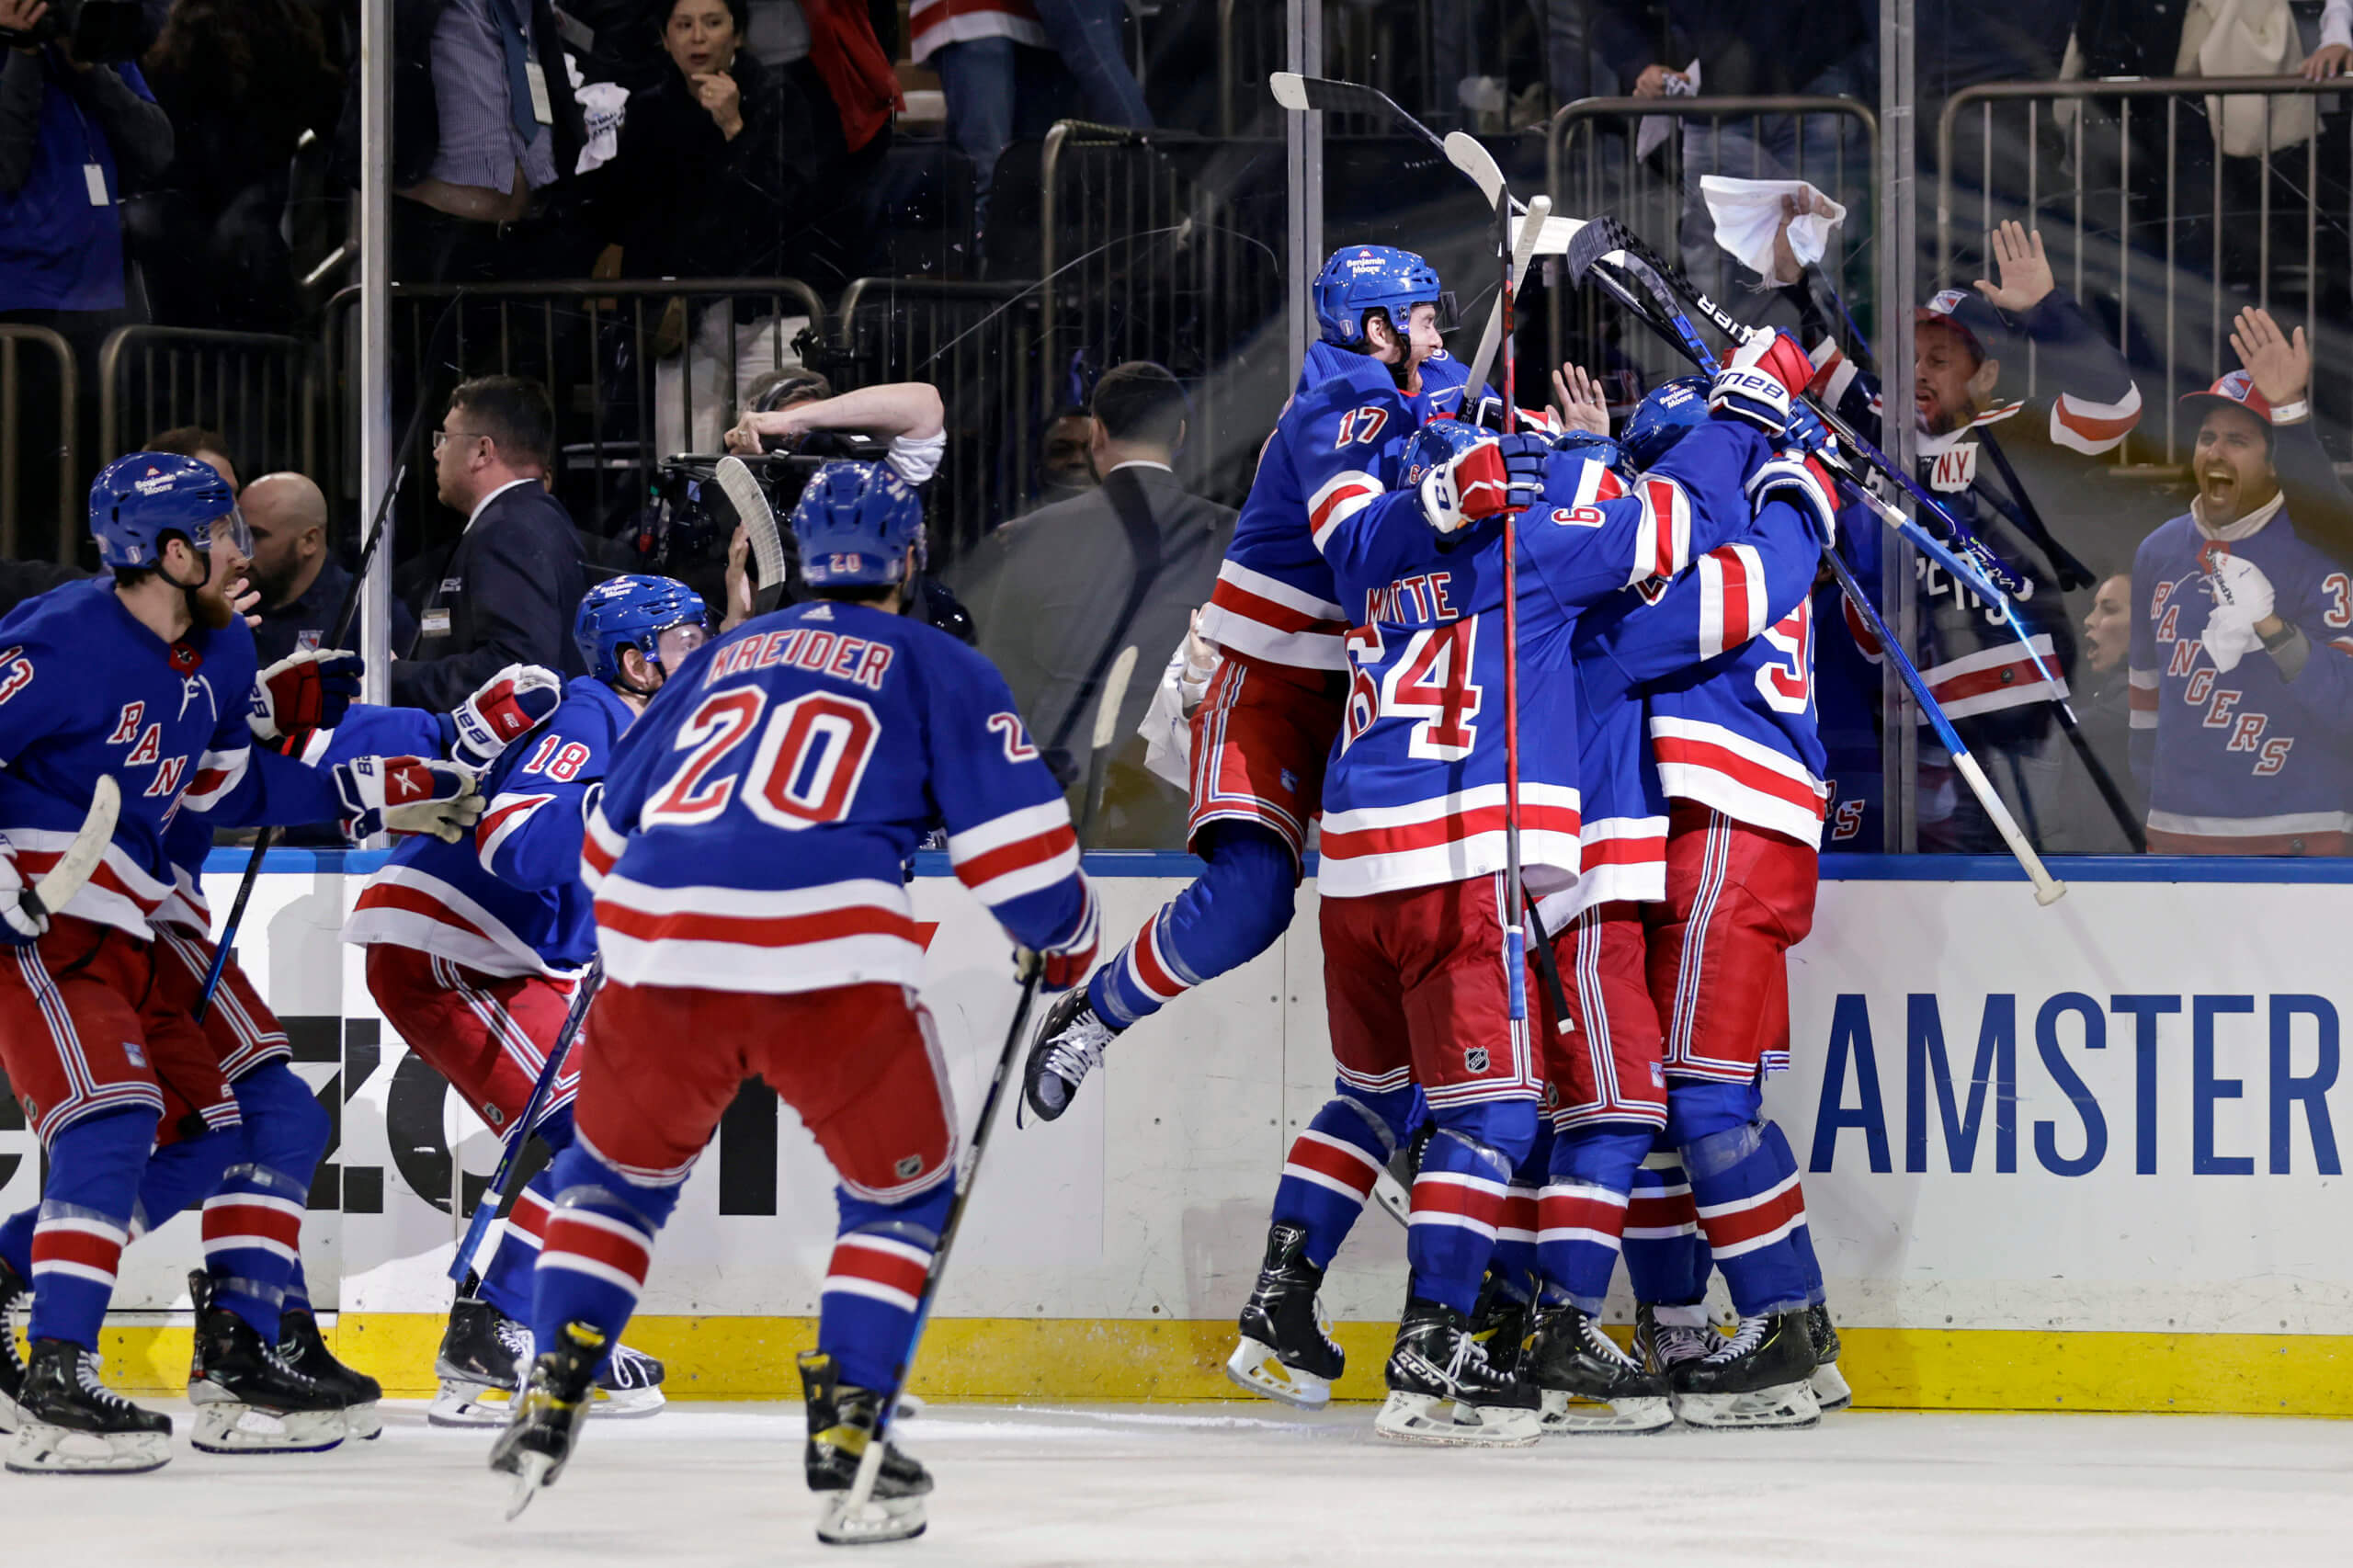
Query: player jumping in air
(475, 949)
(745, 858)
(1262, 733)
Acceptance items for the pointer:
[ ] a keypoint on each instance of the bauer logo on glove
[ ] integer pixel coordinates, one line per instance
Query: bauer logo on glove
(406, 794)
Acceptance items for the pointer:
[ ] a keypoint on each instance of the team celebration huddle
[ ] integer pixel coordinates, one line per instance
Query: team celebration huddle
(1541, 696)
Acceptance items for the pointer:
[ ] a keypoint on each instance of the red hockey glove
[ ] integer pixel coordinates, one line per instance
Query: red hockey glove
(406, 794)
(1068, 960)
(1505, 474)
(308, 690)
(1759, 382)
(1804, 483)
(510, 705)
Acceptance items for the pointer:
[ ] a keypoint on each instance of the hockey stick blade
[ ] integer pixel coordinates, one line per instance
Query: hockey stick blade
(750, 501)
(1300, 94)
(1529, 235)
(1597, 239)
(1106, 730)
(75, 867)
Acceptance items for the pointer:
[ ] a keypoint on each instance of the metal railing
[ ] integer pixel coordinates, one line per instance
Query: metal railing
(978, 344)
(16, 419)
(1151, 248)
(259, 389)
(636, 369)
(2143, 210)
(1595, 164)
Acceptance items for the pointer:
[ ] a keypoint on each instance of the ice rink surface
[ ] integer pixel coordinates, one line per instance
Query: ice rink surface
(1246, 1485)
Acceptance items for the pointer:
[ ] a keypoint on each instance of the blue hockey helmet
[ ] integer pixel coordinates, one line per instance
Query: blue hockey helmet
(136, 500)
(1363, 278)
(1591, 447)
(854, 523)
(1665, 417)
(636, 612)
(1437, 443)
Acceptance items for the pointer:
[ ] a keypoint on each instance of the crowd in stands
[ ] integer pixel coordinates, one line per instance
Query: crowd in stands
(190, 163)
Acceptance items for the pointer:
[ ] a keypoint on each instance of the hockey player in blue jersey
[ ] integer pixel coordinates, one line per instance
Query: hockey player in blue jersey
(474, 949)
(2242, 654)
(143, 677)
(1260, 736)
(1413, 849)
(745, 856)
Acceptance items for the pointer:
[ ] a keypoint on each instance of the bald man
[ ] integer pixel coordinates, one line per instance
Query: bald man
(301, 582)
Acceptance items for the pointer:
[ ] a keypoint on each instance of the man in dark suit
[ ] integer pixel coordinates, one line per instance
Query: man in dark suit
(514, 580)
(1058, 593)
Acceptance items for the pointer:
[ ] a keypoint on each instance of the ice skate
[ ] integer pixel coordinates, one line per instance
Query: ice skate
(1286, 1351)
(70, 1424)
(1664, 1340)
(538, 1441)
(841, 1427)
(631, 1385)
(1830, 1390)
(1393, 1188)
(482, 1354)
(15, 1306)
(1499, 1322)
(1441, 1389)
(301, 1346)
(247, 1400)
(1588, 1385)
(1759, 1377)
(1068, 1046)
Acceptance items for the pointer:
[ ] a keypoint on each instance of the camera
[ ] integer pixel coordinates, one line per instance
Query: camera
(96, 31)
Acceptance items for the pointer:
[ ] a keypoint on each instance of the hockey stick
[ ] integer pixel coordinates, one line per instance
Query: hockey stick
(1466, 153)
(1106, 729)
(1515, 892)
(494, 1196)
(1300, 94)
(333, 639)
(1991, 584)
(750, 501)
(70, 872)
(2047, 890)
(853, 1520)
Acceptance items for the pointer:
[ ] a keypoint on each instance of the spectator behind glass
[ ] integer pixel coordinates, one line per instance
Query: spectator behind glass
(2102, 700)
(243, 80)
(717, 163)
(1066, 458)
(508, 589)
(71, 134)
(2242, 657)
(208, 447)
(1010, 68)
(301, 583)
(484, 126)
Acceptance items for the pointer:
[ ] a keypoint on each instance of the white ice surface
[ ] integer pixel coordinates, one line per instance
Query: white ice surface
(1249, 1486)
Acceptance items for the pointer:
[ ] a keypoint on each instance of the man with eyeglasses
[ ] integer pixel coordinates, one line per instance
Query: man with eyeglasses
(507, 591)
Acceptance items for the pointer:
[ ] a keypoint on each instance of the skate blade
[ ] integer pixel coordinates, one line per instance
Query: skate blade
(1790, 1407)
(470, 1405)
(236, 1429)
(363, 1421)
(1566, 1417)
(1255, 1367)
(879, 1520)
(910, 1406)
(54, 1450)
(1428, 1418)
(629, 1405)
(530, 1474)
(1830, 1388)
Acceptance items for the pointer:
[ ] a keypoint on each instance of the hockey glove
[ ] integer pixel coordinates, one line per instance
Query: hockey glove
(308, 690)
(1760, 380)
(21, 918)
(2241, 597)
(1505, 474)
(1804, 483)
(1807, 433)
(510, 705)
(1068, 961)
(406, 794)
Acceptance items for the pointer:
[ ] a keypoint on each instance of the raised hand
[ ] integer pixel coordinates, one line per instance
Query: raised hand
(1578, 402)
(2280, 365)
(2025, 269)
